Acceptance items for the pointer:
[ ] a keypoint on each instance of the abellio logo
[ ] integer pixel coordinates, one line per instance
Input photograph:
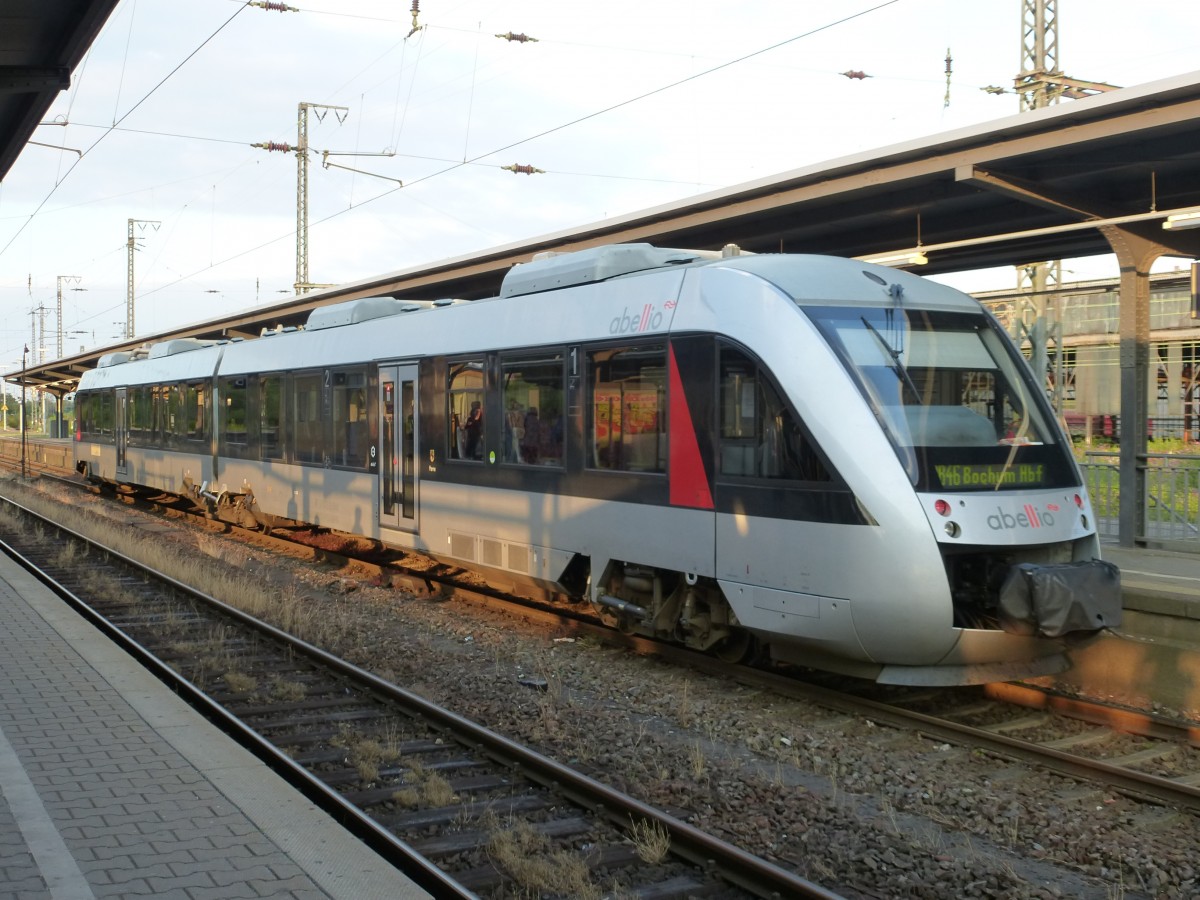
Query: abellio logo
(649, 320)
(1029, 517)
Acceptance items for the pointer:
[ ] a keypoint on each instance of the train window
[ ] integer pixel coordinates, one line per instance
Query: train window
(760, 437)
(83, 415)
(140, 415)
(187, 408)
(306, 417)
(951, 392)
(233, 412)
(533, 408)
(160, 400)
(196, 411)
(94, 414)
(351, 441)
(82, 402)
(270, 406)
(627, 415)
(176, 421)
(465, 414)
(103, 414)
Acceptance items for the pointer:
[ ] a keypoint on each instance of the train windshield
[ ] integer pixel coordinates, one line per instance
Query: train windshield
(953, 396)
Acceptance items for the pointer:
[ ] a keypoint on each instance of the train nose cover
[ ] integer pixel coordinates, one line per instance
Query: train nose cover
(1058, 599)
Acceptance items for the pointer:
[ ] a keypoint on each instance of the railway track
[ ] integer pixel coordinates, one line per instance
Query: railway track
(1146, 757)
(1133, 751)
(1141, 753)
(461, 809)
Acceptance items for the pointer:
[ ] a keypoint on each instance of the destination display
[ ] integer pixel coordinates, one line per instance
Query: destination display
(983, 476)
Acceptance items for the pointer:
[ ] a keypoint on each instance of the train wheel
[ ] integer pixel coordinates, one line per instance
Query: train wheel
(737, 648)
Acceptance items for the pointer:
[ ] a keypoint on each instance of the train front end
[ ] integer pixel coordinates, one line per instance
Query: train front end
(995, 481)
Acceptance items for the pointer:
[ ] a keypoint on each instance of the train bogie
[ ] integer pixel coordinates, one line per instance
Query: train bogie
(840, 463)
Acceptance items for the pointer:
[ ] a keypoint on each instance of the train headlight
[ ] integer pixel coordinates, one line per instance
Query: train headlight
(941, 507)
(952, 529)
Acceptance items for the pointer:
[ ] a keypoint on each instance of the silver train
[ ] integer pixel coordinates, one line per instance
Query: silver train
(846, 466)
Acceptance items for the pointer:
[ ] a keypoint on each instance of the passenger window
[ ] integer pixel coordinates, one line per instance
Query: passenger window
(176, 415)
(81, 415)
(86, 406)
(627, 415)
(533, 408)
(760, 437)
(162, 415)
(233, 411)
(306, 414)
(350, 438)
(105, 415)
(465, 412)
(196, 409)
(141, 424)
(270, 405)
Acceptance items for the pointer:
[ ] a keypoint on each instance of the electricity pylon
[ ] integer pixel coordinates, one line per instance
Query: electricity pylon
(303, 285)
(1041, 83)
(131, 244)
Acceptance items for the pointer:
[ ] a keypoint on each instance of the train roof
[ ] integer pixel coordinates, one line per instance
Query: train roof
(812, 280)
(551, 271)
(808, 279)
(573, 289)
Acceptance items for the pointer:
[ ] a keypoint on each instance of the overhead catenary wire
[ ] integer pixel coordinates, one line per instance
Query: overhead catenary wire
(575, 121)
(479, 158)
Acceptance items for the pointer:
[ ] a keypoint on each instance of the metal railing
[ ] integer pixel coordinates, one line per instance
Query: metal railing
(1171, 504)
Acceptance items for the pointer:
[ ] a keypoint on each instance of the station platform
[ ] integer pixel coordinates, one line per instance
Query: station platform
(111, 786)
(1158, 582)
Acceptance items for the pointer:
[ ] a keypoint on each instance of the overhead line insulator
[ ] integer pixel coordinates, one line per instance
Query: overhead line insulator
(518, 169)
(416, 8)
(517, 38)
(855, 74)
(273, 146)
(272, 5)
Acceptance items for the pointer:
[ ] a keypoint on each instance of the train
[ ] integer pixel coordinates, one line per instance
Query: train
(819, 461)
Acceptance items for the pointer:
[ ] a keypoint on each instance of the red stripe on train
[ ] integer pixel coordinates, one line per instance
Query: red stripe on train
(686, 476)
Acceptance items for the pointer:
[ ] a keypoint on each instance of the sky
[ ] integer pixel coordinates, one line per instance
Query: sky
(623, 105)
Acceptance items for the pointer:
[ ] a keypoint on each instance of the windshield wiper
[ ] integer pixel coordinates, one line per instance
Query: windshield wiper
(897, 366)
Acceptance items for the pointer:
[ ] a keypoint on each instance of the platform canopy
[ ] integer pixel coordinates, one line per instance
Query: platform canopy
(41, 43)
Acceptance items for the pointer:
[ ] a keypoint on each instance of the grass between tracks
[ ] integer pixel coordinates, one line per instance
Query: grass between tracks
(285, 605)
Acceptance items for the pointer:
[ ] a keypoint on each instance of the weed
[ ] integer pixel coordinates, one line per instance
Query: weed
(241, 683)
(651, 841)
(684, 710)
(524, 853)
(698, 760)
(428, 789)
(436, 790)
(287, 691)
(67, 555)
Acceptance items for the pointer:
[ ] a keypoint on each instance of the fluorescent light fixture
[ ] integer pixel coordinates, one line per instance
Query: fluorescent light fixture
(898, 260)
(1181, 222)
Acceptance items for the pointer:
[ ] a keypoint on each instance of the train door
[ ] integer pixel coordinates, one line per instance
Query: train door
(121, 430)
(398, 450)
